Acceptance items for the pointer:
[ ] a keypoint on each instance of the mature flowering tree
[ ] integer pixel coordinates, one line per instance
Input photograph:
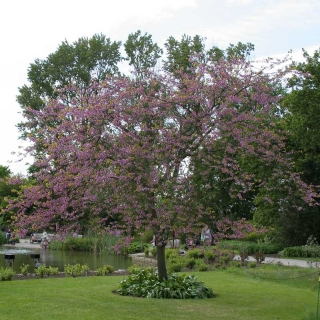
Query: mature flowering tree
(124, 157)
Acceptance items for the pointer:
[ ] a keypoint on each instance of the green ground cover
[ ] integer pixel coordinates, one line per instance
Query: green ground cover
(272, 292)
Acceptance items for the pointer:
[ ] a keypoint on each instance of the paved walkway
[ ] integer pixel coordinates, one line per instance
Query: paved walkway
(285, 262)
(23, 244)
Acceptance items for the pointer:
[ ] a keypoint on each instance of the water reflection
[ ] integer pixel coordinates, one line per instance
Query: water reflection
(55, 258)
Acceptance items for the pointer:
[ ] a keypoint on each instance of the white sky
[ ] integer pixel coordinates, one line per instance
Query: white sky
(33, 29)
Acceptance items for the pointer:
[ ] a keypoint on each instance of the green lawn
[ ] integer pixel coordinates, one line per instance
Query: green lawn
(240, 295)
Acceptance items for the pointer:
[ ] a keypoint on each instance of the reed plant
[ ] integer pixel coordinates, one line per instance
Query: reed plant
(100, 243)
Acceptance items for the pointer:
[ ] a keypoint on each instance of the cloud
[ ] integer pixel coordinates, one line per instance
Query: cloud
(263, 22)
(239, 2)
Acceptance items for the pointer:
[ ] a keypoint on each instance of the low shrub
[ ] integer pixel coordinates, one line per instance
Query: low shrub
(224, 260)
(173, 258)
(150, 251)
(201, 265)
(175, 266)
(146, 251)
(225, 255)
(210, 256)
(235, 264)
(76, 270)
(146, 284)
(259, 256)
(195, 253)
(175, 262)
(6, 274)
(202, 258)
(134, 269)
(270, 248)
(42, 271)
(301, 252)
(254, 237)
(24, 269)
(170, 253)
(252, 264)
(250, 246)
(291, 252)
(236, 245)
(190, 263)
(154, 251)
(244, 256)
(104, 270)
(52, 271)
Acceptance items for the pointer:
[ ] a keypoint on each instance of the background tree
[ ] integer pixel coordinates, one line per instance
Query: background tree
(216, 197)
(179, 53)
(9, 188)
(301, 109)
(130, 150)
(302, 106)
(141, 52)
(79, 63)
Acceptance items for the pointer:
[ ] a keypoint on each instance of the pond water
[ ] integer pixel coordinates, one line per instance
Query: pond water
(56, 258)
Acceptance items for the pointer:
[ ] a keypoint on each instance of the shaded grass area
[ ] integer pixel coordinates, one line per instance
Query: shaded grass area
(241, 294)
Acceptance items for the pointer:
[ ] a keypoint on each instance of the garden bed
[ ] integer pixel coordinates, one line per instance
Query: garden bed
(30, 276)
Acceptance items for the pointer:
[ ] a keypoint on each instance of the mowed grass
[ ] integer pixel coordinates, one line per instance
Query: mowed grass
(240, 295)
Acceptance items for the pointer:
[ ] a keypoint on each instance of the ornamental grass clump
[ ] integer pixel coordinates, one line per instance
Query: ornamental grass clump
(146, 284)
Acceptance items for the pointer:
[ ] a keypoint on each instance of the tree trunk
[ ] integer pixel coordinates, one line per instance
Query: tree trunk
(161, 262)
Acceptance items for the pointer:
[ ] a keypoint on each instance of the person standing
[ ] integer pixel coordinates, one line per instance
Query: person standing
(44, 243)
(44, 234)
(13, 238)
(206, 236)
(8, 235)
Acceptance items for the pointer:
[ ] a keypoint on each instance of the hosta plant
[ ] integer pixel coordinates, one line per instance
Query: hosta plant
(146, 284)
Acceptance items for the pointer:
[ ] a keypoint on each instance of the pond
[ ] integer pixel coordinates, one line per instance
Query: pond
(56, 258)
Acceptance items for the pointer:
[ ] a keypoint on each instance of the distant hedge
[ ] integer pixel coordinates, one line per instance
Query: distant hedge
(251, 247)
(301, 252)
